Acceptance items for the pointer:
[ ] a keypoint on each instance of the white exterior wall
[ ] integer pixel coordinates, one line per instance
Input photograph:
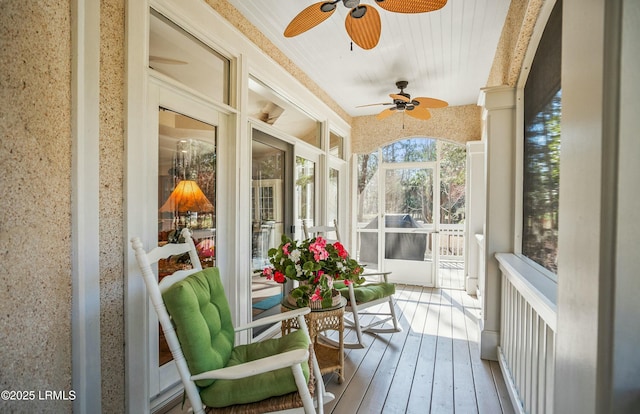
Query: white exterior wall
(597, 359)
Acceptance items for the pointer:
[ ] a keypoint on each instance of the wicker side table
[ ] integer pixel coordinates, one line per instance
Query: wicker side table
(330, 358)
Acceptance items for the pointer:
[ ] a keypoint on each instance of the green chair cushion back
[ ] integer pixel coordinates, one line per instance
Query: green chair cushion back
(223, 393)
(201, 316)
(368, 292)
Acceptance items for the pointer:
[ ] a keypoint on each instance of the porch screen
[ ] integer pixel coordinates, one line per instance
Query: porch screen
(541, 158)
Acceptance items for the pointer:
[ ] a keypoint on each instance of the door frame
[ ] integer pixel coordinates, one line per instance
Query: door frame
(161, 384)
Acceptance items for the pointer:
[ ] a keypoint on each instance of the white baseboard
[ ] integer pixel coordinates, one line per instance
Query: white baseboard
(471, 285)
(489, 342)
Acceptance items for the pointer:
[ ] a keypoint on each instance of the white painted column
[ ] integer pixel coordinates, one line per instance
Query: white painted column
(597, 358)
(85, 235)
(474, 223)
(498, 117)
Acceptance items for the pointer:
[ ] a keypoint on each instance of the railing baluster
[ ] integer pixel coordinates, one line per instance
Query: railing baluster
(527, 347)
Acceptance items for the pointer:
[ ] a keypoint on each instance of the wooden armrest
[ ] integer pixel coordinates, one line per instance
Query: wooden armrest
(383, 274)
(286, 359)
(274, 319)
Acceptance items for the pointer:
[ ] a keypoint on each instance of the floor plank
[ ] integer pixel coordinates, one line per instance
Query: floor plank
(442, 395)
(464, 386)
(405, 372)
(378, 391)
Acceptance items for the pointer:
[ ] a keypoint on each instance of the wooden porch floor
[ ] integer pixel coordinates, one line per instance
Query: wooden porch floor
(432, 366)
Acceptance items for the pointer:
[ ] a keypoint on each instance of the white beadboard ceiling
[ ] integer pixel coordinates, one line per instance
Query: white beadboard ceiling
(444, 54)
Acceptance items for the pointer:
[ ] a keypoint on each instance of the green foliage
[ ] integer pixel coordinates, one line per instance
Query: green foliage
(314, 263)
(410, 190)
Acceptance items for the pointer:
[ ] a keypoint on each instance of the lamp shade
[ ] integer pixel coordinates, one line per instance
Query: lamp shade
(187, 196)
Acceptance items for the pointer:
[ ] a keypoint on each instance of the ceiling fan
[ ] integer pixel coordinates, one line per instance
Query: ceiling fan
(402, 102)
(363, 21)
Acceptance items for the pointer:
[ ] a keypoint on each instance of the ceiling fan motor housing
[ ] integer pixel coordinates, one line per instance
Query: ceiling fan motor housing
(401, 104)
(351, 3)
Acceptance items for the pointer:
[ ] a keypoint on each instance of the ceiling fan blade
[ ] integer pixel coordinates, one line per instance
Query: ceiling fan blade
(402, 98)
(386, 113)
(363, 25)
(376, 104)
(309, 18)
(419, 113)
(411, 6)
(430, 102)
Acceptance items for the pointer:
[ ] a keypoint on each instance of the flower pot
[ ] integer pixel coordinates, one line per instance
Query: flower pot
(335, 300)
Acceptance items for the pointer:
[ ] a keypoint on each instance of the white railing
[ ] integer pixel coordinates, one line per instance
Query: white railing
(527, 339)
(451, 241)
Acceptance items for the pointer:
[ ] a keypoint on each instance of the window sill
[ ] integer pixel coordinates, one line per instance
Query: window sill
(534, 286)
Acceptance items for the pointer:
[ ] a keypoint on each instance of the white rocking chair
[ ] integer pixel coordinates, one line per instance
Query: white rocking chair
(376, 291)
(197, 295)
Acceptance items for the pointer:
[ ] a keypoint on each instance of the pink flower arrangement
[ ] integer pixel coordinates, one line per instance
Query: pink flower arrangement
(315, 263)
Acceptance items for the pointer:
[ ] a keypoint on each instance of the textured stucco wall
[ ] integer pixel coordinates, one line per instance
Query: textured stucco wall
(514, 41)
(35, 218)
(455, 123)
(112, 52)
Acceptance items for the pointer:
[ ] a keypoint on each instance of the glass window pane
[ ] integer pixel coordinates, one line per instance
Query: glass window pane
(271, 185)
(305, 194)
(333, 196)
(270, 107)
(410, 150)
(179, 55)
(453, 159)
(409, 191)
(408, 205)
(367, 188)
(336, 143)
(267, 201)
(367, 210)
(186, 192)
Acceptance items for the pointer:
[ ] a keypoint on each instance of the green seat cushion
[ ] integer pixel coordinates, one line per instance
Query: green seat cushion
(223, 393)
(367, 292)
(201, 316)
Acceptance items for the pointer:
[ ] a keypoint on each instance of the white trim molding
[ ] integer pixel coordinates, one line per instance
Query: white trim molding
(85, 233)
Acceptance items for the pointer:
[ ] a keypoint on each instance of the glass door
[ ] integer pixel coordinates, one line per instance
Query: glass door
(186, 198)
(409, 221)
(271, 202)
(184, 179)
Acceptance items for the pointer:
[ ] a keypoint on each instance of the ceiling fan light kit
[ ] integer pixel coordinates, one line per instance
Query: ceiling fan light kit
(363, 22)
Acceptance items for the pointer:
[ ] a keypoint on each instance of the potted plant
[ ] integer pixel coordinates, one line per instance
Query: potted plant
(315, 264)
